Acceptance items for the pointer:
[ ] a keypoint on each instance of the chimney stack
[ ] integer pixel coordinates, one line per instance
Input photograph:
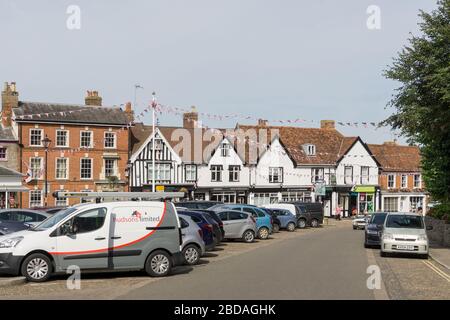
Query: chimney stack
(390, 143)
(10, 100)
(327, 124)
(262, 123)
(129, 111)
(190, 119)
(92, 99)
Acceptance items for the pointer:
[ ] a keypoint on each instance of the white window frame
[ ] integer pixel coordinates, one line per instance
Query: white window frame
(67, 138)
(40, 140)
(276, 172)
(91, 143)
(310, 149)
(167, 169)
(365, 178)
(115, 139)
(348, 179)
(216, 173)
(114, 168)
(56, 168)
(38, 170)
(403, 186)
(190, 175)
(317, 174)
(393, 181)
(33, 204)
(234, 173)
(92, 169)
(225, 150)
(420, 181)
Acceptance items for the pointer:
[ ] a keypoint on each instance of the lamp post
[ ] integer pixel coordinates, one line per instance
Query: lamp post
(46, 143)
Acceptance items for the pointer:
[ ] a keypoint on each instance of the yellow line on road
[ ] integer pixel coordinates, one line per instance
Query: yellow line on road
(437, 270)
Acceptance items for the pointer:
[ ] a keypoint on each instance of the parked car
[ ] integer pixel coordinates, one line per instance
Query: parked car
(201, 204)
(360, 221)
(238, 225)
(50, 210)
(205, 224)
(144, 235)
(216, 218)
(374, 228)
(263, 220)
(276, 223)
(13, 220)
(404, 233)
(287, 220)
(193, 246)
(308, 214)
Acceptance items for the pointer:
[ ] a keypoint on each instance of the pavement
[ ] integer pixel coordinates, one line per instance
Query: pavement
(324, 263)
(441, 255)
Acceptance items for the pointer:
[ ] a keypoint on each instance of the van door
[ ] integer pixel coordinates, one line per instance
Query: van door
(87, 246)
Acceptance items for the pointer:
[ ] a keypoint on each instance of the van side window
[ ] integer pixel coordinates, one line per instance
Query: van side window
(90, 220)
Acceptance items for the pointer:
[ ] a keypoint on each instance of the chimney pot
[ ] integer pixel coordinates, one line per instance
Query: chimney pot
(327, 124)
(92, 98)
(10, 100)
(262, 122)
(190, 119)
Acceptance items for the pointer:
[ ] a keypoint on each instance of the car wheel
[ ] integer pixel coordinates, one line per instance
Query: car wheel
(37, 267)
(191, 254)
(276, 228)
(263, 233)
(301, 223)
(290, 227)
(314, 223)
(158, 264)
(248, 236)
(354, 228)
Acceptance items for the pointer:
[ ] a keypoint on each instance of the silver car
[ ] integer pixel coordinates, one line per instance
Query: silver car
(193, 246)
(404, 233)
(238, 225)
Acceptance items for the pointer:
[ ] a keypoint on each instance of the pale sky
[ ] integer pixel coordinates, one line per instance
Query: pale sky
(285, 59)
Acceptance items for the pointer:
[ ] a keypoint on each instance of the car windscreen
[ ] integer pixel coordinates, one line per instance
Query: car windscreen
(378, 218)
(404, 221)
(53, 220)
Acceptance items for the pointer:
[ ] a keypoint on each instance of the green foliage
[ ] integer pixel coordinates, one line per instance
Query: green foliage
(422, 101)
(441, 212)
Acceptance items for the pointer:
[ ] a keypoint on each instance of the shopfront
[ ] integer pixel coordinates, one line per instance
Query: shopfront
(10, 188)
(365, 199)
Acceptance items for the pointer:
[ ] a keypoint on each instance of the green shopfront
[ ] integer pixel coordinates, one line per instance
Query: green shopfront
(363, 199)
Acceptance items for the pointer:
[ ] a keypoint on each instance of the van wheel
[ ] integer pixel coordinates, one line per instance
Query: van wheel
(37, 267)
(290, 227)
(158, 264)
(263, 233)
(248, 236)
(276, 228)
(301, 223)
(191, 254)
(314, 223)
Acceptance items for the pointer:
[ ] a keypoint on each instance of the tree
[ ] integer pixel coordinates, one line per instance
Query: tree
(422, 101)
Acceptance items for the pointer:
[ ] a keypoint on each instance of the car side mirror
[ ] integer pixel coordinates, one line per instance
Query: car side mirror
(429, 227)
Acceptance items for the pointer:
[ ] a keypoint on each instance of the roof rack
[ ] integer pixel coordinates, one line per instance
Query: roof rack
(121, 195)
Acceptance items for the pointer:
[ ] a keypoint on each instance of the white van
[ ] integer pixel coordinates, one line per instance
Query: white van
(126, 235)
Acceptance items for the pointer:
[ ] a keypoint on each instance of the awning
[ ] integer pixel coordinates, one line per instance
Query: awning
(13, 189)
(368, 189)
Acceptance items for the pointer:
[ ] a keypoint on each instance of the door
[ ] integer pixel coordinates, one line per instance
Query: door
(87, 245)
(235, 223)
(227, 226)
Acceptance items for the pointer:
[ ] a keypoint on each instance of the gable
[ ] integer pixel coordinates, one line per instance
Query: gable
(163, 151)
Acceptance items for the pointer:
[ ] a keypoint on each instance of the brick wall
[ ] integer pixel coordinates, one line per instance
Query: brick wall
(74, 155)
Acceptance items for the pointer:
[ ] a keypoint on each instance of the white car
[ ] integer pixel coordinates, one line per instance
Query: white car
(360, 222)
(404, 233)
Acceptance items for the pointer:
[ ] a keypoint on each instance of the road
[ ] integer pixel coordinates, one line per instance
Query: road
(324, 263)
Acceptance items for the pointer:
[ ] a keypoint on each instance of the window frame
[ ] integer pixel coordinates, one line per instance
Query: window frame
(67, 138)
(56, 168)
(31, 135)
(234, 173)
(115, 139)
(91, 141)
(346, 177)
(216, 169)
(186, 172)
(367, 177)
(114, 168)
(5, 158)
(66, 200)
(280, 173)
(92, 168)
(30, 205)
(158, 171)
(404, 176)
(41, 164)
(393, 181)
(225, 150)
(420, 181)
(314, 175)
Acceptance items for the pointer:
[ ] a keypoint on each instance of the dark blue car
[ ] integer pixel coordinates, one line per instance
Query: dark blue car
(205, 224)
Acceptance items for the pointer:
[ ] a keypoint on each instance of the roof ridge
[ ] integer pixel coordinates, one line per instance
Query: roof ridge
(68, 104)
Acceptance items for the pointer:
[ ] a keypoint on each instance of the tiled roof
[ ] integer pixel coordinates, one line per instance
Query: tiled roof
(7, 134)
(53, 112)
(140, 133)
(394, 157)
(330, 144)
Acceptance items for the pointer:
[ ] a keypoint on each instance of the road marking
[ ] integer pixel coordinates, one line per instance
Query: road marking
(437, 270)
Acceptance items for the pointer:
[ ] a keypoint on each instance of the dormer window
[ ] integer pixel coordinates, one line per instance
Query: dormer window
(309, 149)
(225, 150)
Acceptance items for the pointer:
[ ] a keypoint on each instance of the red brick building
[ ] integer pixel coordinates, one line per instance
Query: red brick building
(87, 151)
